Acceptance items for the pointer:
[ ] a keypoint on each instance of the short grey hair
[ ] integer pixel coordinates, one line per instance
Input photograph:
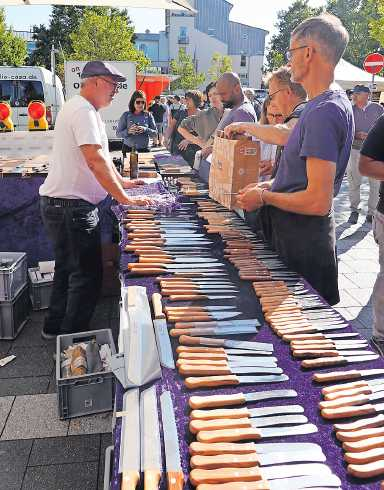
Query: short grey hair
(328, 31)
(283, 77)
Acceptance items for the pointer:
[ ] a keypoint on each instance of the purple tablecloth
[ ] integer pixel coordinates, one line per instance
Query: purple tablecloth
(308, 392)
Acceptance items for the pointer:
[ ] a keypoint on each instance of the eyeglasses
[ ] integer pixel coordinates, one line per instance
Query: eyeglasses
(270, 97)
(114, 84)
(288, 54)
(141, 102)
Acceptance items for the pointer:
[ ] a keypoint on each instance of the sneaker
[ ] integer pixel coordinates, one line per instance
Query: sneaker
(353, 218)
(378, 344)
(48, 336)
(369, 218)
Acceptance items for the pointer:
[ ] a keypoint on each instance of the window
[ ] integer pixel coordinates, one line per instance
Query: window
(183, 32)
(243, 60)
(143, 48)
(29, 91)
(7, 91)
(183, 35)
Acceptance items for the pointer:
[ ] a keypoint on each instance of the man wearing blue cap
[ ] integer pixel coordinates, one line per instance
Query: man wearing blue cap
(80, 176)
(366, 114)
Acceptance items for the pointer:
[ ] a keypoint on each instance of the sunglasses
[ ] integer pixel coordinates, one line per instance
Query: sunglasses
(141, 102)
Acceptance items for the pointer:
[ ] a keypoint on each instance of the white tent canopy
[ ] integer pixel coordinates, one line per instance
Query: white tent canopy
(152, 4)
(348, 75)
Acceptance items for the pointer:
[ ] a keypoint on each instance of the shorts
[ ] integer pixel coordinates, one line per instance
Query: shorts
(160, 128)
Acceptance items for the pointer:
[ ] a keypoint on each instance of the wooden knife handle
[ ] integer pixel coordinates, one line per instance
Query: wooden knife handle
(368, 470)
(143, 235)
(130, 480)
(187, 297)
(196, 426)
(343, 412)
(140, 265)
(201, 362)
(175, 480)
(344, 401)
(377, 421)
(183, 349)
(364, 457)
(218, 448)
(210, 381)
(192, 318)
(176, 332)
(359, 435)
(210, 401)
(365, 445)
(327, 390)
(254, 485)
(298, 337)
(207, 355)
(221, 413)
(185, 324)
(192, 370)
(155, 259)
(186, 340)
(224, 461)
(157, 306)
(364, 390)
(225, 475)
(324, 362)
(307, 353)
(228, 435)
(336, 376)
(151, 479)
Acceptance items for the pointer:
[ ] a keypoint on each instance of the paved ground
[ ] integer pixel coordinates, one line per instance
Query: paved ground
(40, 452)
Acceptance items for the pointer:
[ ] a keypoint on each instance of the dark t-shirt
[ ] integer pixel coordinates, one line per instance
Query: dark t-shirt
(325, 131)
(373, 147)
(158, 112)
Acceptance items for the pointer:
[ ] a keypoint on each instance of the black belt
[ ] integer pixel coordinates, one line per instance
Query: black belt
(66, 203)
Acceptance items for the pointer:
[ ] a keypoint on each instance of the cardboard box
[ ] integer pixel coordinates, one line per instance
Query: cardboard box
(235, 164)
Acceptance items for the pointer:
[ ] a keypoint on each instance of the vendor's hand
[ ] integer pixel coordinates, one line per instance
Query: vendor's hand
(132, 129)
(251, 199)
(266, 167)
(361, 135)
(206, 151)
(129, 183)
(234, 128)
(139, 201)
(248, 187)
(183, 145)
(140, 129)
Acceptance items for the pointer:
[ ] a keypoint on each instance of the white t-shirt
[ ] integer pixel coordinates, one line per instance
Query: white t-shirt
(69, 177)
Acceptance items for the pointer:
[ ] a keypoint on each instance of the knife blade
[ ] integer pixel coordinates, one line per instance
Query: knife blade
(225, 323)
(150, 439)
(352, 411)
(336, 361)
(201, 316)
(193, 382)
(211, 401)
(161, 332)
(175, 476)
(235, 344)
(197, 425)
(233, 435)
(233, 413)
(255, 459)
(129, 463)
(345, 375)
(198, 297)
(320, 482)
(196, 370)
(360, 399)
(176, 332)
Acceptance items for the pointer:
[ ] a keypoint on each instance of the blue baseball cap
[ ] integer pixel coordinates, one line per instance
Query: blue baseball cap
(101, 69)
(361, 89)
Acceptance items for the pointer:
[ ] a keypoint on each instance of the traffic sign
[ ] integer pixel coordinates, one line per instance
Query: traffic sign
(374, 63)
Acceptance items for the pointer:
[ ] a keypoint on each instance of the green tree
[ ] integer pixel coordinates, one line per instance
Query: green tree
(106, 37)
(185, 69)
(13, 50)
(219, 65)
(376, 25)
(287, 20)
(356, 15)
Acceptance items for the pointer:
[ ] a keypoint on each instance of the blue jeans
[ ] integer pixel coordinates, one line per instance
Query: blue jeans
(74, 229)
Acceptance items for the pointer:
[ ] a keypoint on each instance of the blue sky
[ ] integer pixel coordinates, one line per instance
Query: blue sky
(21, 18)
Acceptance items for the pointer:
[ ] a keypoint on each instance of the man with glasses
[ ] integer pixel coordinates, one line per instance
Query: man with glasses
(298, 213)
(80, 176)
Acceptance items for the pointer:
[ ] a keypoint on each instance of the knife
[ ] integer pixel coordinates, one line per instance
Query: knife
(129, 463)
(368, 470)
(295, 483)
(178, 292)
(234, 413)
(176, 309)
(201, 316)
(150, 439)
(162, 336)
(359, 399)
(345, 375)
(315, 336)
(176, 332)
(335, 353)
(363, 445)
(176, 260)
(186, 285)
(175, 476)
(200, 370)
(311, 329)
(336, 361)
(235, 344)
(232, 355)
(211, 401)
(224, 364)
(197, 297)
(153, 271)
(352, 411)
(171, 267)
(335, 343)
(196, 426)
(362, 457)
(239, 434)
(215, 381)
(350, 389)
(224, 323)
(359, 435)
(218, 448)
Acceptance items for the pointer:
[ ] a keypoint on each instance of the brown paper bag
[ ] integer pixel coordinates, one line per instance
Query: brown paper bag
(235, 164)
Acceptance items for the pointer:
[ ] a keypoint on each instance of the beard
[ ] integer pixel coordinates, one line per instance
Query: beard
(228, 104)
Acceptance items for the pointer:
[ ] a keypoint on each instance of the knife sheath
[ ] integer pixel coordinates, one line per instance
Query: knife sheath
(368, 470)
(343, 412)
(210, 381)
(225, 475)
(336, 376)
(359, 435)
(225, 461)
(218, 448)
(209, 401)
(363, 457)
(365, 445)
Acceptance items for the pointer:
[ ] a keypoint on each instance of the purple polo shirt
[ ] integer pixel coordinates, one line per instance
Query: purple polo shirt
(365, 119)
(243, 112)
(325, 131)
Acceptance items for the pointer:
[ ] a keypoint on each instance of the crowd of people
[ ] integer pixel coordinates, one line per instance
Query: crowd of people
(310, 136)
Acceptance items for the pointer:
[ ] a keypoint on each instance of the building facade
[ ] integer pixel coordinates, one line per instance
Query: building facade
(203, 34)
